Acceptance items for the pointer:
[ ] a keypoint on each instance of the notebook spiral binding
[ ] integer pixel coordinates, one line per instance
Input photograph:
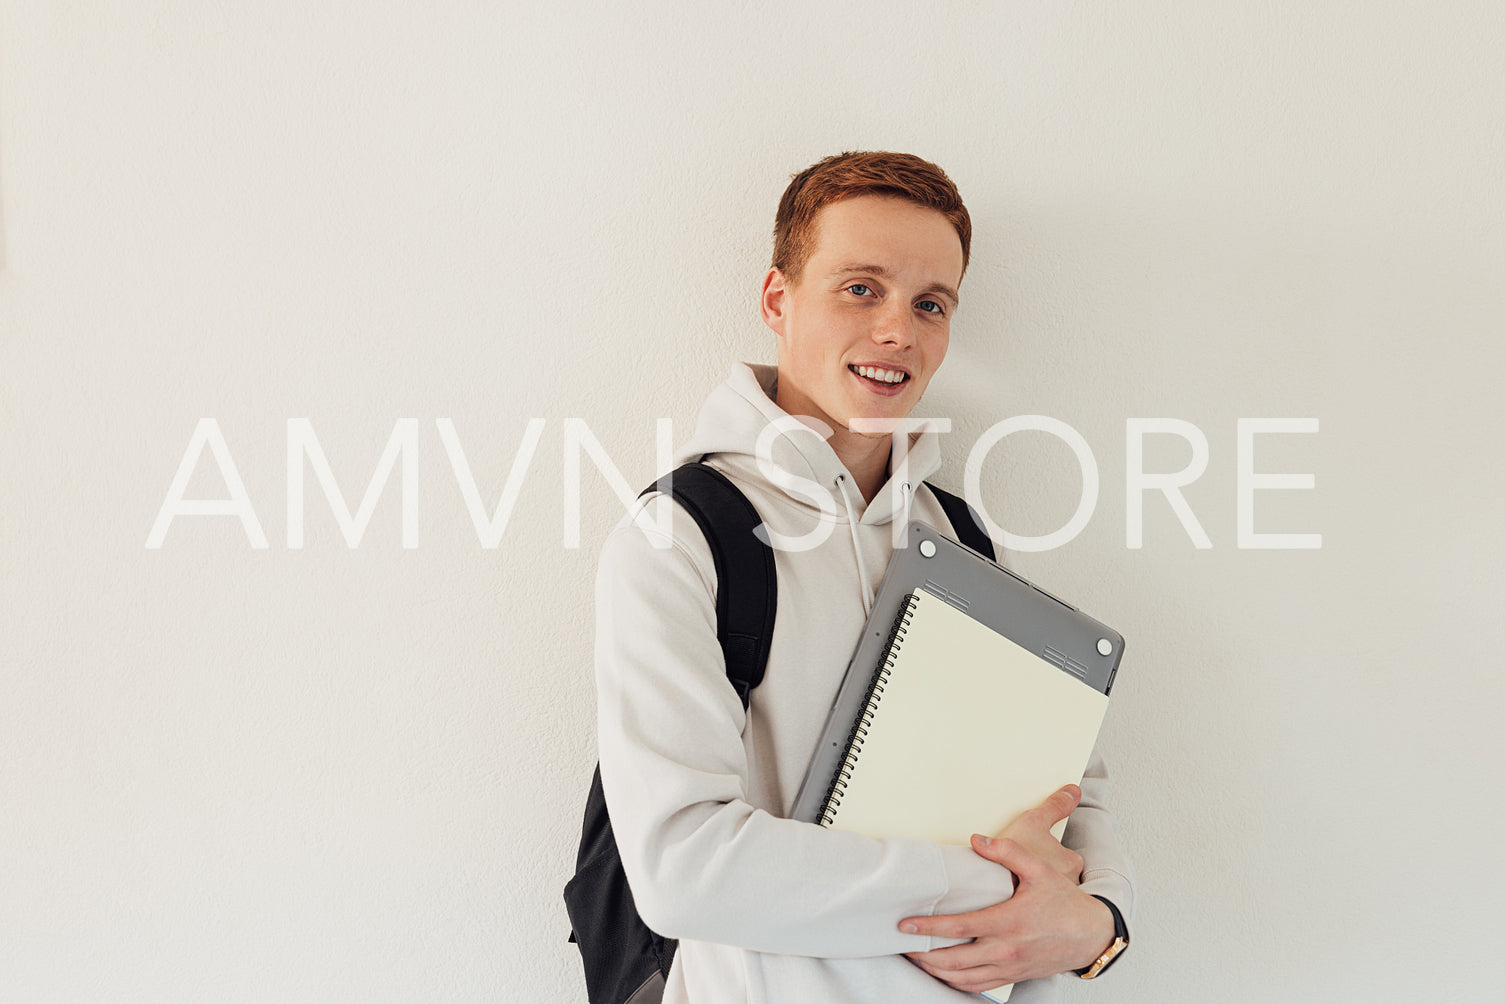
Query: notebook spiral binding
(864, 722)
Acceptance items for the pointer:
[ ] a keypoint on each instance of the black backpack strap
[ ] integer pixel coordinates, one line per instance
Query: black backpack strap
(746, 582)
(966, 522)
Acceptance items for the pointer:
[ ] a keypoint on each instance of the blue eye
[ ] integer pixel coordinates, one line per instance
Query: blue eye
(858, 288)
(931, 307)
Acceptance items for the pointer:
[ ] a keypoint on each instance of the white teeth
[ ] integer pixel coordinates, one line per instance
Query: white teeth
(874, 373)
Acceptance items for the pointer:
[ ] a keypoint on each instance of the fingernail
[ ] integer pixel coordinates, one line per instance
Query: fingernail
(909, 928)
(985, 841)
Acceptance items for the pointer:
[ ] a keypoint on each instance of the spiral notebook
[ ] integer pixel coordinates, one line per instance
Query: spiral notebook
(961, 731)
(972, 696)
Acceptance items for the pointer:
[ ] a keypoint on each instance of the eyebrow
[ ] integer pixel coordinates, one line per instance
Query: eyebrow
(883, 273)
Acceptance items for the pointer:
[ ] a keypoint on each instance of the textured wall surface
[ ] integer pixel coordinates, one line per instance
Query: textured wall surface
(345, 774)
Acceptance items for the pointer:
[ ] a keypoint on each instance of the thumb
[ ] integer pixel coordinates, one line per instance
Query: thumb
(1057, 807)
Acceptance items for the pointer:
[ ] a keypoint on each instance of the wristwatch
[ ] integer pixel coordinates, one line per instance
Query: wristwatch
(1120, 942)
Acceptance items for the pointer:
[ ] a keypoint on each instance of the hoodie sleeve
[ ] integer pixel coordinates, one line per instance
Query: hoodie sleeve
(702, 861)
(1092, 832)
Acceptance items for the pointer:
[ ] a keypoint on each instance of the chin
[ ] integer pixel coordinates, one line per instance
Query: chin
(886, 414)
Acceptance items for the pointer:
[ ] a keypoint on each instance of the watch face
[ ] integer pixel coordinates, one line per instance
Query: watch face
(1119, 944)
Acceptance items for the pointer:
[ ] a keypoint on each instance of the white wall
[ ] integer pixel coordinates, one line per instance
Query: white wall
(335, 774)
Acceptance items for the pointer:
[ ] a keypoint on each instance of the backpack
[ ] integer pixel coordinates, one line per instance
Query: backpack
(626, 962)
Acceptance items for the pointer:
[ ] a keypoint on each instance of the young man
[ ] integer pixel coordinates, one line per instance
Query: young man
(869, 254)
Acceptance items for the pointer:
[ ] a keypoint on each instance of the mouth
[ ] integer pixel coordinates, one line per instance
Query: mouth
(879, 379)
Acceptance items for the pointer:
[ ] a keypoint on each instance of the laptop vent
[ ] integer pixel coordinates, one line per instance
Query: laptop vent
(1064, 661)
(955, 599)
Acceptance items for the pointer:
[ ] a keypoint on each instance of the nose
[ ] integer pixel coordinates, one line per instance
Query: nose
(894, 326)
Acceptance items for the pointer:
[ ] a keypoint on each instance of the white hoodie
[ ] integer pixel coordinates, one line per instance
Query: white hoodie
(767, 909)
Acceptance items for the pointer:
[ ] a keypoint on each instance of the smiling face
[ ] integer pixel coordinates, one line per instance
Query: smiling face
(866, 325)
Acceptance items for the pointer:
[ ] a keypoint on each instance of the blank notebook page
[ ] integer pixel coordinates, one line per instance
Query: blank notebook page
(970, 730)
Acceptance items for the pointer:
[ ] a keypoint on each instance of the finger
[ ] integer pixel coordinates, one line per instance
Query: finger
(950, 925)
(990, 848)
(972, 981)
(1009, 852)
(986, 953)
(1014, 856)
(1058, 806)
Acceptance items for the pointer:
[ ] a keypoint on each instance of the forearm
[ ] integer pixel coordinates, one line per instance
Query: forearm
(737, 875)
(1052, 924)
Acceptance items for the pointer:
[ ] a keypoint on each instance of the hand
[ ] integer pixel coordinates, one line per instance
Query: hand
(1032, 832)
(1049, 926)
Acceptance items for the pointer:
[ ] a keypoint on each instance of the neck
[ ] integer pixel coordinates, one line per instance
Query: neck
(866, 457)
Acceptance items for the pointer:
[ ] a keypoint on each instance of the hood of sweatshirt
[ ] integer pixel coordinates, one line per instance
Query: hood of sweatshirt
(795, 479)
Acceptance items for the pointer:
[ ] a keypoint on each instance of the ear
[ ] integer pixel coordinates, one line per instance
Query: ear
(774, 303)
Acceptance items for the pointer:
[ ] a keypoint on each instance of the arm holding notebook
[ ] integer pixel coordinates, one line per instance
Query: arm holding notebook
(704, 861)
(1049, 926)
(1053, 923)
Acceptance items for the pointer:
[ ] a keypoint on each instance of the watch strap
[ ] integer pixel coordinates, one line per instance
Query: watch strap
(1114, 950)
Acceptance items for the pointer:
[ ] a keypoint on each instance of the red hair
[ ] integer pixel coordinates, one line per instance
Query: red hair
(846, 175)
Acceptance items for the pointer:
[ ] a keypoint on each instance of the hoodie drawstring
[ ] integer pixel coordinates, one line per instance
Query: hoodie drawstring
(867, 590)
